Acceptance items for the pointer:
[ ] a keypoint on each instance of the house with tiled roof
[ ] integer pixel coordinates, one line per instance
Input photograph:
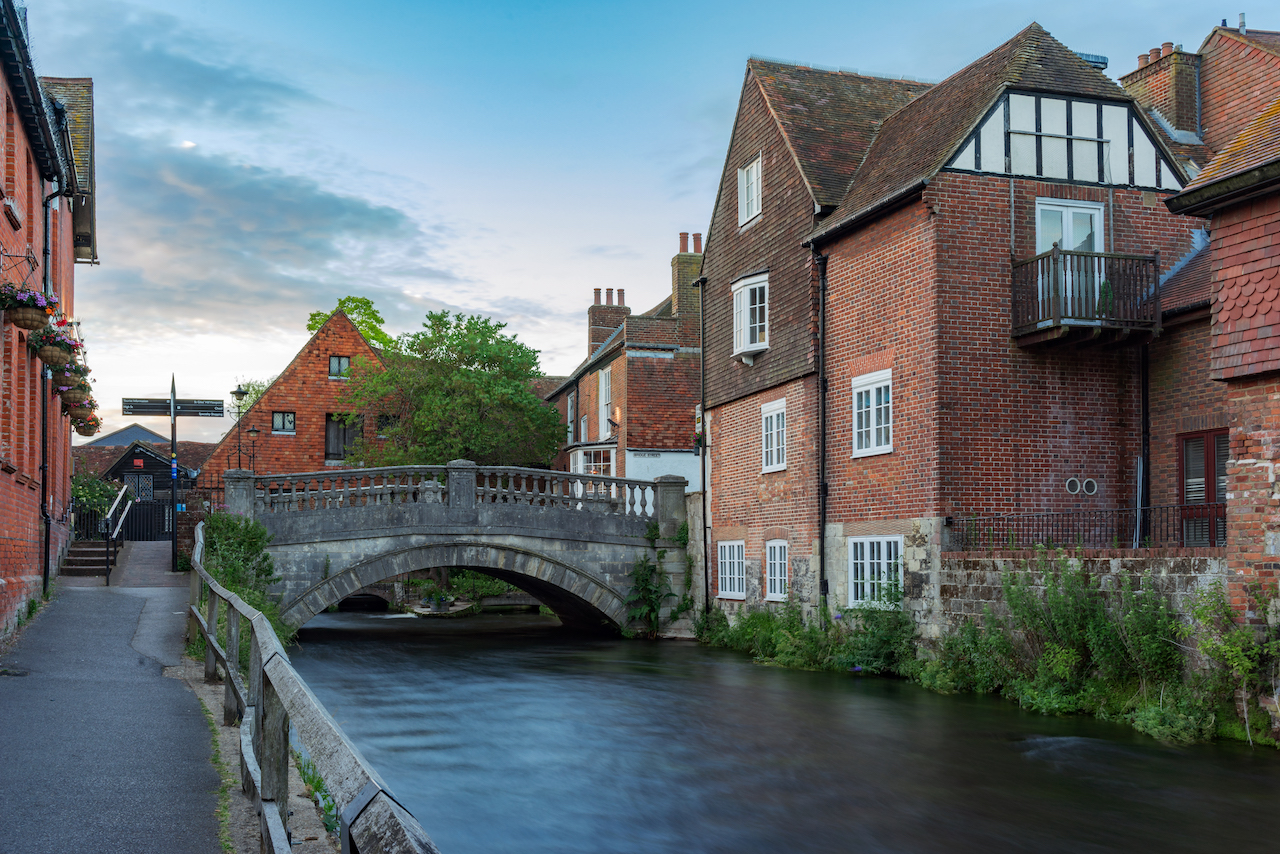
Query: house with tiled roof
(967, 335)
(629, 408)
(1240, 191)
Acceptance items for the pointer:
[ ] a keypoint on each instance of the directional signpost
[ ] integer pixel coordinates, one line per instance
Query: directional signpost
(172, 407)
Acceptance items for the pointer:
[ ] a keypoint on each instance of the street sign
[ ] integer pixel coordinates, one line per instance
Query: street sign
(160, 406)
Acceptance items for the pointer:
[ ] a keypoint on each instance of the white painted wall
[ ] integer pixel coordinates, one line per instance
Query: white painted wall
(647, 465)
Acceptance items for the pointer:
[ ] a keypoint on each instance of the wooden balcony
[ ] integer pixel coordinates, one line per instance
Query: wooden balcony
(1084, 298)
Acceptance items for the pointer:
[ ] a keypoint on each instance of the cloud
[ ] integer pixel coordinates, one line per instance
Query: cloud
(610, 253)
(193, 242)
(151, 69)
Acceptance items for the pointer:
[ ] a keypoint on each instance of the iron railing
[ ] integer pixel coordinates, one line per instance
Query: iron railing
(1099, 289)
(1173, 526)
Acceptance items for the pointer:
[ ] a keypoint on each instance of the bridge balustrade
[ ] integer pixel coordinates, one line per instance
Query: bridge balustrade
(459, 484)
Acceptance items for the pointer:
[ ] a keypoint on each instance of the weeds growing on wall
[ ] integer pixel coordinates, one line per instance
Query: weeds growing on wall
(1066, 645)
(235, 555)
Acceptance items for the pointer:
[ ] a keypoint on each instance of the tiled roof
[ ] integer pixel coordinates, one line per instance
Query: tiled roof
(1191, 286)
(543, 386)
(126, 436)
(1257, 145)
(916, 141)
(1266, 39)
(829, 118)
(76, 95)
(1197, 152)
(97, 459)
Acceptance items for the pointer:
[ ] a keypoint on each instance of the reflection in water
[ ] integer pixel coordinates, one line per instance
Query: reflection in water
(507, 734)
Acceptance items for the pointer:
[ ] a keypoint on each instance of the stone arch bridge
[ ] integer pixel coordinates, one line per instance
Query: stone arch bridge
(570, 540)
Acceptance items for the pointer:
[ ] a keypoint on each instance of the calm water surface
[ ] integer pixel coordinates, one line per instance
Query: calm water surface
(506, 734)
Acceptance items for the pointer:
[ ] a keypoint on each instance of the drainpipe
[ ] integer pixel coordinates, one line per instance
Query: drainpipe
(1144, 380)
(821, 261)
(701, 284)
(45, 515)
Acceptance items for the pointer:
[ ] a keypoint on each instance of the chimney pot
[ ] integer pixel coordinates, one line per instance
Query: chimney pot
(622, 296)
(597, 296)
(608, 296)
(1166, 48)
(697, 242)
(1242, 29)
(684, 241)
(1143, 60)
(1155, 54)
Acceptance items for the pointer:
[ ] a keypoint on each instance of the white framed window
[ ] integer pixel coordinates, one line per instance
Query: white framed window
(582, 429)
(339, 367)
(569, 418)
(733, 569)
(751, 315)
(283, 422)
(873, 414)
(606, 400)
(749, 192)
(776, 575)
(773, 436)
(875, 571)
(592, 461)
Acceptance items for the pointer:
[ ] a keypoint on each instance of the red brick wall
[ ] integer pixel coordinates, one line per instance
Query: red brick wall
(1246, 275)
(21, 528)
(1183, 399)
(304, 388)
(770, 242)
(1237, 81)
(753, 506)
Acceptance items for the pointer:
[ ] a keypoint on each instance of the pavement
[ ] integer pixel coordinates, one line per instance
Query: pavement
(99, 749)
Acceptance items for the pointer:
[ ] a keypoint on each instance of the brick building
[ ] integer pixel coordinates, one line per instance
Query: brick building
(955, 315)
(299, 417)
(48, 226)
(629, 407)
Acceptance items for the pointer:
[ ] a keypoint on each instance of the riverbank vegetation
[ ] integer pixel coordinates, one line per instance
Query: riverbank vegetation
(1064, 645)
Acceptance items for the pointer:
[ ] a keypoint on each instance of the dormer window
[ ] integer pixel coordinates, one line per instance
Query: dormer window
(749, 192)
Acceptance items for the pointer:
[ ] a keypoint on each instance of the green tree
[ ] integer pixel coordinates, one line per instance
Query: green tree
(362, 313)
(458, 389)
(255, 389)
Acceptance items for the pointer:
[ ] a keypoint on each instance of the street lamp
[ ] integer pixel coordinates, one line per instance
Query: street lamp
(253, 446)
(239, 395)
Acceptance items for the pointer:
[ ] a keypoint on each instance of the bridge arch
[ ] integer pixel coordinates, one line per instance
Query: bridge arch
(578, 599)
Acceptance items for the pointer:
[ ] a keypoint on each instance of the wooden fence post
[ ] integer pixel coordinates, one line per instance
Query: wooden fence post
(211, 620)
(230, 710)
(274, 758)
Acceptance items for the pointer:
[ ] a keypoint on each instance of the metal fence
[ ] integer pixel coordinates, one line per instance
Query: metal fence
(1173, 526)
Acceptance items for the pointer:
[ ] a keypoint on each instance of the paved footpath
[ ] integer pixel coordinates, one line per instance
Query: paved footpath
(99, 751)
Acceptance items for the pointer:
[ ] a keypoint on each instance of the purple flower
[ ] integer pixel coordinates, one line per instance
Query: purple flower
(838, 616)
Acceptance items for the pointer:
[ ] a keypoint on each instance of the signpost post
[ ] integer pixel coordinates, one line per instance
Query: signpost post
(173, 407)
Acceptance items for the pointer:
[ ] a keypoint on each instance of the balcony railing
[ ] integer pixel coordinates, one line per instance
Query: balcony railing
(1174, 526)
(1085, 294)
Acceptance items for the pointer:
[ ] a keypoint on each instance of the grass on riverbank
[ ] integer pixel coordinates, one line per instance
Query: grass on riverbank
(227, 780)
(1065, 646)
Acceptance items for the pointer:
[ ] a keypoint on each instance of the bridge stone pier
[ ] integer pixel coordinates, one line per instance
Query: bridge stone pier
(570, 540)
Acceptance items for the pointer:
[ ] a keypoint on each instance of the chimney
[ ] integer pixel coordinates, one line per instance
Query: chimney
(1167, 81)
(622, 299)
(602, 320)
(685, 267)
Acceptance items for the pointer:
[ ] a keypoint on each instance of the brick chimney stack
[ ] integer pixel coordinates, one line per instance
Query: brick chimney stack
(603, 319)
(1166, 81)
(685, 268)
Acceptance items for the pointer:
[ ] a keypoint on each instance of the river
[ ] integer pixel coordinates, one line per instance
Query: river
(504, 733)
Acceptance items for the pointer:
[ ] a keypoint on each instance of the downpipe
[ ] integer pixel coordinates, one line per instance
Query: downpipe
(45, 374)
(821, 261)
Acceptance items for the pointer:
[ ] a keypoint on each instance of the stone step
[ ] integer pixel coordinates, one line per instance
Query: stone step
(83, 571)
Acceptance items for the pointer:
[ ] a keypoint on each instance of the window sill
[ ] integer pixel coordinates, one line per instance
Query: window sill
(748, 356)
(872, 606)
(335, 462)
(737, 597)
(873, 452)
(742, 226)
(782, 598)
(284, 432)
(341, 379)
(772, 469)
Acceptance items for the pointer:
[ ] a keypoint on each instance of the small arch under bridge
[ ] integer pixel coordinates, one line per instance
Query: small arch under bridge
(568, 539)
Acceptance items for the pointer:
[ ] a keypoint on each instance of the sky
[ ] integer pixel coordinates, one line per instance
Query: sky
(258, 160)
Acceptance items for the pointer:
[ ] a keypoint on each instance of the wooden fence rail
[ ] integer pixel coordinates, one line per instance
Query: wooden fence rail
(269, 700)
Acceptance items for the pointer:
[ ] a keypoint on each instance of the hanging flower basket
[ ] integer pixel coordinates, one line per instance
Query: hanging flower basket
(76, 395)
(53, 346)
(87, 423)
(86, 429)
(25, 308)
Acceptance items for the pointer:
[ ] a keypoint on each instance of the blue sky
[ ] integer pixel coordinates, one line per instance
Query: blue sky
(258, 160)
